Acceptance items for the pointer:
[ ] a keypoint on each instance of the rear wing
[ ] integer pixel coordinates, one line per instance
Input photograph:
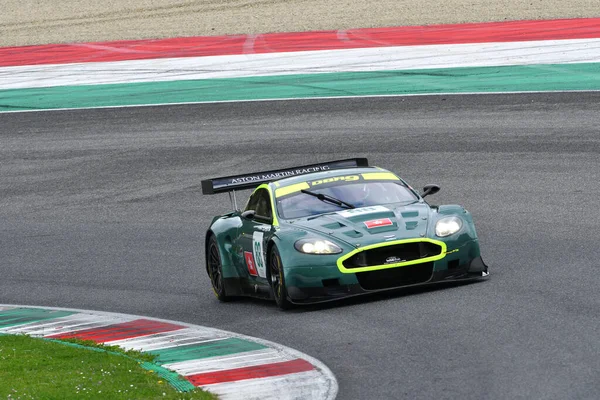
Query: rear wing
(252, 180)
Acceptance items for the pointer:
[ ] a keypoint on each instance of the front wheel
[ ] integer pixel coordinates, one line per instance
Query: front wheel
(215, 270)
(278, 280)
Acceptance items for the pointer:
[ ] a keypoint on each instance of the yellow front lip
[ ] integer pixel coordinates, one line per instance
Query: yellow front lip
(395, 265)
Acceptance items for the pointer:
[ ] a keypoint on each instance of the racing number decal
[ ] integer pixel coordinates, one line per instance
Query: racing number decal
(257, 250)
(348, 178)
(362, 211)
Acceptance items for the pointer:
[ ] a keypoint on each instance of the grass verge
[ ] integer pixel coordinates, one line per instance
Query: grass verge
(33, 368)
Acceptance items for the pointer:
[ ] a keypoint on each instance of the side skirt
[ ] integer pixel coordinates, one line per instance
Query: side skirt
(243, 287)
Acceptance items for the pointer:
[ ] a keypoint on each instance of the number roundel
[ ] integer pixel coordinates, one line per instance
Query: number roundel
(257, 255)
(257, 250)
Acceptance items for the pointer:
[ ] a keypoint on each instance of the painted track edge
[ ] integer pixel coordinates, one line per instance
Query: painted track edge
(331, 394)
(301, 99)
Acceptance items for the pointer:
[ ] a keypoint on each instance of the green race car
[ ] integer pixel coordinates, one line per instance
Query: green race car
(328, 231)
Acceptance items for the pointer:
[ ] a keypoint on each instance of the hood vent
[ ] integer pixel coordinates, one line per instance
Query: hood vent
(411, 225)
(410, 214)
(334, 225)
(353, 233)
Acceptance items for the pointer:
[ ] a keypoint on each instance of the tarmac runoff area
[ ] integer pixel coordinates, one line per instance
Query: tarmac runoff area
(231, 365)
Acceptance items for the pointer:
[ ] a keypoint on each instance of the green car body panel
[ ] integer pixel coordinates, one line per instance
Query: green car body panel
(401, 237)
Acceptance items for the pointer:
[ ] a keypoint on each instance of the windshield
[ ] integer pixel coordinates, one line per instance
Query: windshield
(359, 194)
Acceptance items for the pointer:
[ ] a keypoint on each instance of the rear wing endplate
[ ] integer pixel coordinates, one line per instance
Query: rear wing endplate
(252, 180)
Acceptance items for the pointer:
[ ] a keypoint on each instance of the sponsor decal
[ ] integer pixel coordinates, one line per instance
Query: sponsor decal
(259, 257)
(278, 175)
(220, 183)
(394, 260)
(347, 178)
(250, 263)
(230, 182)
(376, 223)
(362, 211)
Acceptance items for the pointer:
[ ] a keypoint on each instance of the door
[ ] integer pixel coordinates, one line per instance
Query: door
(255, 234)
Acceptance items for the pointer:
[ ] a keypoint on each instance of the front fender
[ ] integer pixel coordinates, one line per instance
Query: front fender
(468, 228)
(465, 242)
(307, 270)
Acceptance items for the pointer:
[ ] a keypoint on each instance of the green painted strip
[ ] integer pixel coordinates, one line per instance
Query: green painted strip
(176, 380)
(547, 77)
(204, 350)
(20, 316)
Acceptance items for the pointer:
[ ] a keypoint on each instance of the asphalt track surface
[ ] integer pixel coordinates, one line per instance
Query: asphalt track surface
(101, 209)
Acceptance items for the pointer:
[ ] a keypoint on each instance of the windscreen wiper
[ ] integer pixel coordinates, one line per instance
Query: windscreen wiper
(328, 199)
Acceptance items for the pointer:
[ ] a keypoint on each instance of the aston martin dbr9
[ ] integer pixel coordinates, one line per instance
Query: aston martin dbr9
(327, 231)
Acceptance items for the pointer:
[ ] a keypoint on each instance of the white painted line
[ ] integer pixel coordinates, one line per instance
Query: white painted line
(188, 103)
(304, 62)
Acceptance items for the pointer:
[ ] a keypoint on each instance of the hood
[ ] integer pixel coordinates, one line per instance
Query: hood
(374, 224)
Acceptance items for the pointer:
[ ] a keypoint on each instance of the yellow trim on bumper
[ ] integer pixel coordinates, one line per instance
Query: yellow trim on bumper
(395, 265)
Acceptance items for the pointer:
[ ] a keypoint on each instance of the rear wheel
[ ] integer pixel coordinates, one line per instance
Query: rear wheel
(215, 270)
(278, 280)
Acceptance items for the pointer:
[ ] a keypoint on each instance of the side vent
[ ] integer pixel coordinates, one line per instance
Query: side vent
(330, 282)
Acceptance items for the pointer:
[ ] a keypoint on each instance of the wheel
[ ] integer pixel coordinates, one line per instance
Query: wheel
(278, 280)
(215, 270)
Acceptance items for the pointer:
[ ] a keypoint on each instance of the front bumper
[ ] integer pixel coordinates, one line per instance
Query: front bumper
(307, 284)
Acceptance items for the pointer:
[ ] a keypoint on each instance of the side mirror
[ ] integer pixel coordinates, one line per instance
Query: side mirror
(430, 189)
(249, 214)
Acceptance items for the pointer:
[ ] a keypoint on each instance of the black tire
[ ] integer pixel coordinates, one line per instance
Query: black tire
(278, 280)
(215, 270)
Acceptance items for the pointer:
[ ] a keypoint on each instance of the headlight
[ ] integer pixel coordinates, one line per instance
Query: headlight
(448, 226)
(317, 246)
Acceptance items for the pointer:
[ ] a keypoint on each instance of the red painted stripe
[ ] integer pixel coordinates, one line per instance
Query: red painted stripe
(510, 31)
(258, 371)
(378, 223)
(139, 327)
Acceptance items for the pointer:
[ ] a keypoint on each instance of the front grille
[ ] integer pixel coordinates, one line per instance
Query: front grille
(394, 277)
(392, 254)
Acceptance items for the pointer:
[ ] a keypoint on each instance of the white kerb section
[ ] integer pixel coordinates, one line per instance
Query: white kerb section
(301, 386)
(68, 324)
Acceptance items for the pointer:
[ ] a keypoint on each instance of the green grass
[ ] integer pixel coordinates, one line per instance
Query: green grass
(32, 368)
